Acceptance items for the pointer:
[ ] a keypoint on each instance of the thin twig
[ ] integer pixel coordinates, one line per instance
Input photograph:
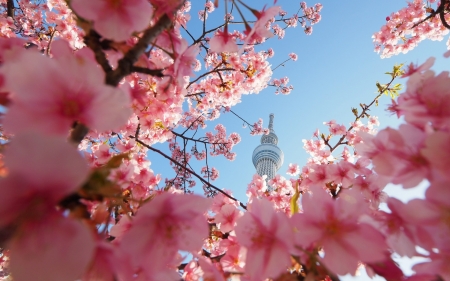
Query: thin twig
(216, 69)
(363, 113)
(136, 137)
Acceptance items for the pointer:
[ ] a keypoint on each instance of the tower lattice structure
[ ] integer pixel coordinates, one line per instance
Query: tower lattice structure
(268, 157)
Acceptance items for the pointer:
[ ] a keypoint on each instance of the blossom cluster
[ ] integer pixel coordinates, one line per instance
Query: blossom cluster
(89, 86)
(57, 59)
(405, 29)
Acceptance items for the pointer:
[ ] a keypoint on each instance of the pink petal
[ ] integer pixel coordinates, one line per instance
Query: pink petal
(54, 249)
(64, 169)
(338, 258)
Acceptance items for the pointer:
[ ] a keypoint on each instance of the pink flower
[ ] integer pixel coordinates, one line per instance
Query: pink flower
(259, 31)
(45, 245)
(293, 56)
(268, 238)
(427, 100)
(398, 228)
(342, 173)
(108, 264)
(166, 224)
(257, 186)
(66, 89)
(227, 217)
(293, 170)
(28, 179)
(53, 248)
(210, 271)
(234, 259)
(437, 152)
(333, 225)
(192, 272)
(103, 154)
(396, 154)
(319, 175)
(337, 129)
(115, 19)
(412, 68)
(438, 265)
(186, 58)
(167, 7)
(222, 41)
(434, 215)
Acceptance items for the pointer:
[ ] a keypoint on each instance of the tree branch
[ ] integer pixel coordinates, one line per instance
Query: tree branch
(92, 40)
(444, 3)
(10, 8)
(125, 65)
(362, 114)
(152, 72)
(136, 137)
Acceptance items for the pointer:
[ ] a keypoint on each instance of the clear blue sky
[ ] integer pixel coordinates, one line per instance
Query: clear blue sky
(336, 70)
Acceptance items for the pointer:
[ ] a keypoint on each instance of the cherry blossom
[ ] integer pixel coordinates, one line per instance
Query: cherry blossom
(70, 90)
(334, 226)
(259, 31)
(407, 27)
(268, 238)
(293, 170)
(222, 41)
(115, 19)
(227, 217)
(104, 214)
(31, 192)
(175, 221)
(426, 100)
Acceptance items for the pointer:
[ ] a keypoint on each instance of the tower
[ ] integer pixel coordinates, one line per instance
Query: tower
(267, 157)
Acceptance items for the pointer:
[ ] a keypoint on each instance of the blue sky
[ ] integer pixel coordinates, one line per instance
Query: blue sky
(336, 70)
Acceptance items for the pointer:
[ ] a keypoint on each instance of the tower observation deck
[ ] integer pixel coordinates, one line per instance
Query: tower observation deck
(267, 157)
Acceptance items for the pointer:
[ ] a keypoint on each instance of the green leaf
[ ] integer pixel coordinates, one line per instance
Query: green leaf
(397, 70)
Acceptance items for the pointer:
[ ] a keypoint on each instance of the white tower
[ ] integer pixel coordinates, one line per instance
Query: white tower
(267, 157)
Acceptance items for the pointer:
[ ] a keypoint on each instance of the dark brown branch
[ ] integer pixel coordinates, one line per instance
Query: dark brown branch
(10, 8)
(195, 94)
(92, 40)
(152, 72)
(125, 65)
(442, 9)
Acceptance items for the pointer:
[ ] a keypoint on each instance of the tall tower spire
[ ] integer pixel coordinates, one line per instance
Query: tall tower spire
(271, 116)
(267, 157)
